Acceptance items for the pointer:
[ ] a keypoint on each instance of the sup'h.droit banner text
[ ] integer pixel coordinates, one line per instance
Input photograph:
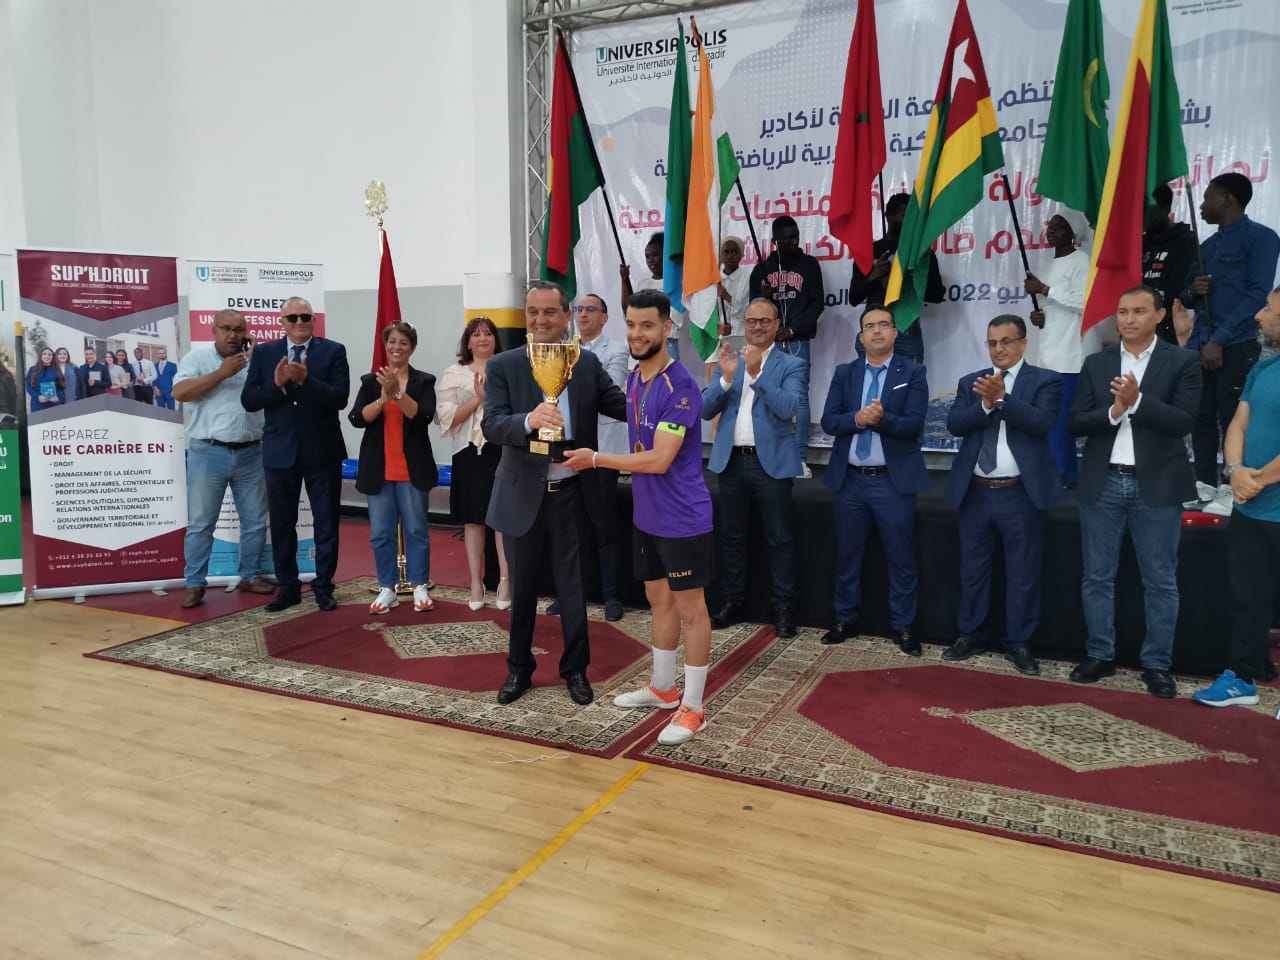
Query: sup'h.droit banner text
(108, 491)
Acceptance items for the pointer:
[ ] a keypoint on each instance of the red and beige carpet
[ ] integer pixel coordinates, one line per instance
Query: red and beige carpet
(1104, 769)
(444, 666)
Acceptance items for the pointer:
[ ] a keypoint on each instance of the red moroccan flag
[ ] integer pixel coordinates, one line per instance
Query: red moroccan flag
(860, 152)
(388, 304)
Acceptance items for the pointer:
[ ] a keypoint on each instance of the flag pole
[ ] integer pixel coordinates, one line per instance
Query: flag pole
(1195, 232)
(1017, 232)
(595, 158)
(751, 226)
(884, 221)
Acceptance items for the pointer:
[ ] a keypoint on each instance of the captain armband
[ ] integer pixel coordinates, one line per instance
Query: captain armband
(678, 429)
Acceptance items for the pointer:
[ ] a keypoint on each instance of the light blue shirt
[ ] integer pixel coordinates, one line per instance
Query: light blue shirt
(557, 471)
(875, 456)
(218, 415)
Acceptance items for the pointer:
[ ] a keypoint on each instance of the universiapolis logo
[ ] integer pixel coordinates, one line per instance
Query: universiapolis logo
(222, 274)
(649, 59)
(293, 275)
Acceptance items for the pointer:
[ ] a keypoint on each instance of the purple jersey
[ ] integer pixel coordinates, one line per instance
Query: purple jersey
(675, 503)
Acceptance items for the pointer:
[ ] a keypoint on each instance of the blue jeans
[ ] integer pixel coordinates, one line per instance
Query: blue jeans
(1155, 532)
(399, 500)
(800, 349)
(210, 469)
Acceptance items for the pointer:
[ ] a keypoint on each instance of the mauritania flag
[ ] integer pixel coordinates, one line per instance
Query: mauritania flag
(1148, 150)
(679, 157)
(573, 173)
(1074, 165)
(961, 146)
(712, 172)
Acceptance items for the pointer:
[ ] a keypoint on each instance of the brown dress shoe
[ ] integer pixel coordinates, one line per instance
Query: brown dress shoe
(256, 585)
(192, 597)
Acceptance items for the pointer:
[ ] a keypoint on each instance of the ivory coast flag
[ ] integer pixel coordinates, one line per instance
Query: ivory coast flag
(712, 172)
(1146, 151)
(961, 146)
(573, 174)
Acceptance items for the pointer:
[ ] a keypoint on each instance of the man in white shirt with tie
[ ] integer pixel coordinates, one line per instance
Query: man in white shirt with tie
(1135, 403)
(1002, 482)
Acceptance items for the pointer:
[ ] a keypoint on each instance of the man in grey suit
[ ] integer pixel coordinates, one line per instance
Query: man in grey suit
(756, 457)
(1135, 404)
(538, 505)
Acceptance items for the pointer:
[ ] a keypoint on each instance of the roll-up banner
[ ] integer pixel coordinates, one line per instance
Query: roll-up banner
(11, 590)
(108, 491)
(778, 72)
(258, 290)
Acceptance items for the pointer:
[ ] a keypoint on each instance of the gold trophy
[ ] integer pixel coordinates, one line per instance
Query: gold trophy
(552, 365)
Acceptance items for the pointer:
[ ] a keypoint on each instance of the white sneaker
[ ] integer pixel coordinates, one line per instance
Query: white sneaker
(683, 726)
(384, 601)
(1222, 504)
(805, 473)
(1204, 494)
(422, 601)
(649, 697)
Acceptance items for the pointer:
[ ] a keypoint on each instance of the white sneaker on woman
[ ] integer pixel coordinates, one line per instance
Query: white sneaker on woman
(384, 601)
(422, 601)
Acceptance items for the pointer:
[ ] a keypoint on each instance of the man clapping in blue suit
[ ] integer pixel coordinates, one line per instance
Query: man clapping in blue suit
(1002, 481)
(875, 409)
(756, 457)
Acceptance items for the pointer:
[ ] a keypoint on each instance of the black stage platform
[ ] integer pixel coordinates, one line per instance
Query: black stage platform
(1200, 645)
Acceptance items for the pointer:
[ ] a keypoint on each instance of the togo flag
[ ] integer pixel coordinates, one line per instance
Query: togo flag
(713, 171)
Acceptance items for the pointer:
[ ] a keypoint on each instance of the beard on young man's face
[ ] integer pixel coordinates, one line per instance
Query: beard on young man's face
(648, 354)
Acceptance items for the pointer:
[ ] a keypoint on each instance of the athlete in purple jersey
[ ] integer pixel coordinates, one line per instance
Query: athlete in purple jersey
(672, 540)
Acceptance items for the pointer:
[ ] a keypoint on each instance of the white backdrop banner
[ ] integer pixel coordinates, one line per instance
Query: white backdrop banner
(257, 290)
(779, 76)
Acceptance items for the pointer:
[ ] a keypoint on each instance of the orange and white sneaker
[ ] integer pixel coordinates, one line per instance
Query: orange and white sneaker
(649, 697)
(384, 601)
(422, 602)
(683, 726)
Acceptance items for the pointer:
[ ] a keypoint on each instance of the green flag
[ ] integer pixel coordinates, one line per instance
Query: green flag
(679, 154)
(1074, 164)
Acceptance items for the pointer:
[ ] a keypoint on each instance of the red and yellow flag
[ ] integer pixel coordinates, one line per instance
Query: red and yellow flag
(1146, 151)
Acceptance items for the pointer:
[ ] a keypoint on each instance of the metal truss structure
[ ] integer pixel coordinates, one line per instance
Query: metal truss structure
(542, 18)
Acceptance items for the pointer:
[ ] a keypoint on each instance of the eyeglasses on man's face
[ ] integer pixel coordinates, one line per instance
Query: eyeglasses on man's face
(299, 317)
(588, 308)
(758, 321)
(1005, 342)
(878, 325)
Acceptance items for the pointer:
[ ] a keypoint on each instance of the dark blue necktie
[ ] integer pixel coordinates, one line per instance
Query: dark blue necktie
(297, 353)
(990, 438)
(863, 447)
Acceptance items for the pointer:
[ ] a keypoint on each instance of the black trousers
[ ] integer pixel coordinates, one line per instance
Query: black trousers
(1219, 397)
(324, 490)
(1253, 550)
(604, 523)
(742, 483)
(553, 541)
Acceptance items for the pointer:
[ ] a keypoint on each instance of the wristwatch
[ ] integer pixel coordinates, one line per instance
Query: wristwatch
(399, 395)
(997, 405)
(1228, 470)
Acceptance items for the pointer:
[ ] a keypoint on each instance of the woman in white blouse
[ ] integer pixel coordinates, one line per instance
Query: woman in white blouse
(459, 408)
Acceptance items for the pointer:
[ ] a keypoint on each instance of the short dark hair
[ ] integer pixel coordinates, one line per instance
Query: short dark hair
(548, 285)
(783, 222)
(1235, 184)
(1156, 296)
(876, 308)
(1162, 197)
(465, 355)
(604, 307)
(644, 299)
(401, 327)
(1007, 318)
(660, 238)
(896, 201)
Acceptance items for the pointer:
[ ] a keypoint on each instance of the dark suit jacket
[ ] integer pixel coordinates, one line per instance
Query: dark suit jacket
(302, 427)
(510, 393)
(372, 472)
(904, 395)
(773, 414)
(1170, 391)
(1030, 411)
(88, 389)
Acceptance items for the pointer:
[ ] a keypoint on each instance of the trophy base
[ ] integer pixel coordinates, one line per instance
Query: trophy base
(552, 450)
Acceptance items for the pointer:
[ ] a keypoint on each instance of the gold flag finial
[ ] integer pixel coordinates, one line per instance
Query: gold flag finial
(375, 200)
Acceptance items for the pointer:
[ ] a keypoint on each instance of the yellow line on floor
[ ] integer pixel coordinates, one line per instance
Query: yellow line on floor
(139, 616)
(532, 864)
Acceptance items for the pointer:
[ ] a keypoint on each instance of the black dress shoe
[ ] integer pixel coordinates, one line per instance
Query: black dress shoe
(1160, 684)
(580, 691)
(326, 602)
(553, 608)
(1022, 659)
(516, 685)
(284, 600)
(729, 614)
(785, 622)
(840, 632)
(1092, 670)
(963, 649)
(613, 610)
(906, 642)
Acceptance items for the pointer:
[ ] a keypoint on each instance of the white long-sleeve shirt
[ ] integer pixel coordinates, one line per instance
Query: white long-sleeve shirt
(1059, 346)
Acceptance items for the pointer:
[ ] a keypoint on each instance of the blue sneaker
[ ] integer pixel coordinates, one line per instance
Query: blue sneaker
(1227, 691)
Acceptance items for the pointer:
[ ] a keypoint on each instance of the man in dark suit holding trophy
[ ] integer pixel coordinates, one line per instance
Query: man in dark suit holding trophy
(538, 503)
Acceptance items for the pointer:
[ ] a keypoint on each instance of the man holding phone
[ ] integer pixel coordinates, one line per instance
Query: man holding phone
(224, 448)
